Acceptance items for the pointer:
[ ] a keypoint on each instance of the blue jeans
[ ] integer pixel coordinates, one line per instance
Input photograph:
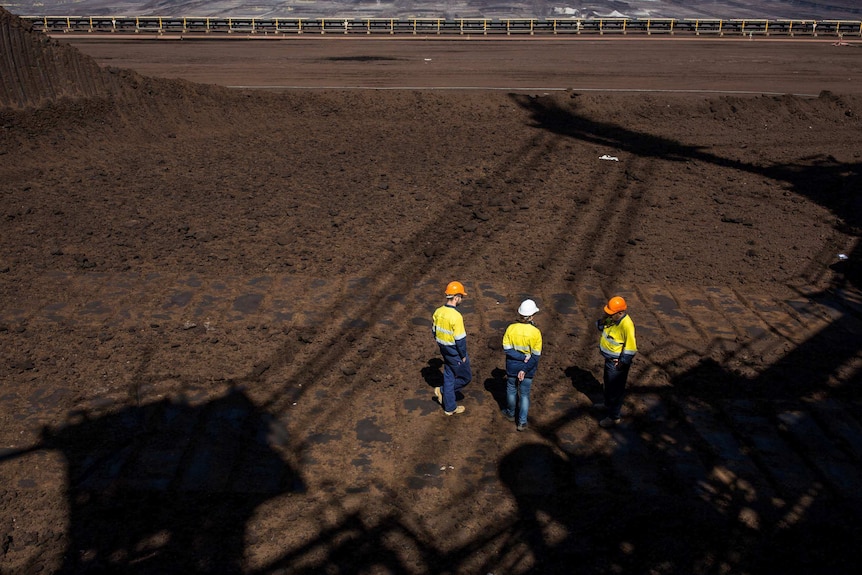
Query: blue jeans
(455, 377)
(513, 389)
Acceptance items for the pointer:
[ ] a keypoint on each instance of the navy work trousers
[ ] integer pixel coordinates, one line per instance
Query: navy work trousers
(615, 376)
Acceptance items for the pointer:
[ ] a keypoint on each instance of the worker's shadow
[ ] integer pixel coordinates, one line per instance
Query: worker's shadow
(433, 372)
(585, 382)
(496, 386)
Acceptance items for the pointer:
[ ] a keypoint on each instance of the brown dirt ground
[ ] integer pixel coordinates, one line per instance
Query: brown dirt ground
(214, 309)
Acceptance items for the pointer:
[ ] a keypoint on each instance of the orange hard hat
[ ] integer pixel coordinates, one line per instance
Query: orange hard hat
(455, 288)
(615, 304)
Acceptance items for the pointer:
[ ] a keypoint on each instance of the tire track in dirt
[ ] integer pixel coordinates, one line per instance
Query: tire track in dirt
(396, 279)
(480, 193)
(518, 164)
(587, 235)
(589, 239)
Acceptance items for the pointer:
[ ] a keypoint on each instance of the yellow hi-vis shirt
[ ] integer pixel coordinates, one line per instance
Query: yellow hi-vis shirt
(449, 331)
(523, 337)
(618, 340)
(520, 340)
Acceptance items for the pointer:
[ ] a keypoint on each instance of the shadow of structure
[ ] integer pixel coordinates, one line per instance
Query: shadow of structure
(656, 507)
(576, 514)
(722, 472)
(167, 487)
(822, 179)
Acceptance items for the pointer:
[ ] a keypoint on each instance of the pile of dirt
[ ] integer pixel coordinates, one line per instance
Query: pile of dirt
(35, 70)
(214, 327)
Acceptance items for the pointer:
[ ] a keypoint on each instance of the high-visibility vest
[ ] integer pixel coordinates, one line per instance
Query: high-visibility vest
(449, 331)
(618, 340)
(520, 340)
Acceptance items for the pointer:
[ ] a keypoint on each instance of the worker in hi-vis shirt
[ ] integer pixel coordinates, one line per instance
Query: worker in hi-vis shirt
(522, 344)
(618, 347)
(451, 337)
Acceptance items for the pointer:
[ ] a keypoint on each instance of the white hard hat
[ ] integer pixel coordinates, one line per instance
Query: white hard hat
(527, 308)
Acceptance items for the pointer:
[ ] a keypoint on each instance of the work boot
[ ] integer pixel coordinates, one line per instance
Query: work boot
(438, 395)
(521, 426)
(459, 409)
(507, 416)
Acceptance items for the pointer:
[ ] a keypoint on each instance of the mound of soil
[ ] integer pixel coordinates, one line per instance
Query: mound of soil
(215, 327)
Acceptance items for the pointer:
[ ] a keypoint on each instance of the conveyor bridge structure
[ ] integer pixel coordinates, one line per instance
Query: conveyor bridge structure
(199, 26)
